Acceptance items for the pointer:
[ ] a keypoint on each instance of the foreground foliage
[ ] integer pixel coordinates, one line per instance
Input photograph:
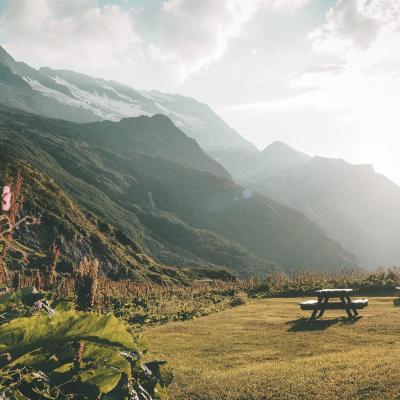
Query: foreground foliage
(62, 353)
(54, 349)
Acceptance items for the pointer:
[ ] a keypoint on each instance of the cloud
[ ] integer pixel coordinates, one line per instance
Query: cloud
(356, 25)
(69, 33)
(180, 37)
(363, 37)
(198, 32)
(288, 5)
(346, 104)
(349, 104)
(348, 24)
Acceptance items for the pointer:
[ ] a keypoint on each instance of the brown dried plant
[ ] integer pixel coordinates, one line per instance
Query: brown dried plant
(52, 259)
(9, 223)
(86, 283)
(79, 348)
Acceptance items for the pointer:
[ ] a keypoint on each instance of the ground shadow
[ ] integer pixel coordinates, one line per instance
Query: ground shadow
(304, 324)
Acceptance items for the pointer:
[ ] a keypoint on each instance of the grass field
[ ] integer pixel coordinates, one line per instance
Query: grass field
(266, 350)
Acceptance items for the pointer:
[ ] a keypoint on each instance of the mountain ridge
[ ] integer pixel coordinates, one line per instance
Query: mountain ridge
(164, 201)
(343, 199)
(81, 98)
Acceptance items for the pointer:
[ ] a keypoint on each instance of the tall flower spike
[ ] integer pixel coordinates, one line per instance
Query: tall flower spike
(6, 199)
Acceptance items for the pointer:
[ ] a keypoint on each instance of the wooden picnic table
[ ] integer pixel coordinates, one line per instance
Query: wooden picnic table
(319, 306)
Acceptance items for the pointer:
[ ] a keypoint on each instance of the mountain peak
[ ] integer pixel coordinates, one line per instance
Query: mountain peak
(6, 59)
(278, 156)
(278, 146)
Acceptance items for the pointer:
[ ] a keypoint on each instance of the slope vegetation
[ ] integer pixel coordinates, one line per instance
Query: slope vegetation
(181, 215)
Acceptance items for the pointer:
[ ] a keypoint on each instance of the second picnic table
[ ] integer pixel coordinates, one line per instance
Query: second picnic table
(319, 306)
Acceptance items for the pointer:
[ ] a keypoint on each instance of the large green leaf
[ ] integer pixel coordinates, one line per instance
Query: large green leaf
(24, 335)
(102, 365)
(42, 349)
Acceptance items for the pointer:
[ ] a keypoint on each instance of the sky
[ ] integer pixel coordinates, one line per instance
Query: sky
(320, 75)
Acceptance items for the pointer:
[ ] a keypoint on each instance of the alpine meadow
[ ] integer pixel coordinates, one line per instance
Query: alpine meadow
(200, 200)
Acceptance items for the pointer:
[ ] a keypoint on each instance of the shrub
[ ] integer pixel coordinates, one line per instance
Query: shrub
(239, 299)
(86, 283)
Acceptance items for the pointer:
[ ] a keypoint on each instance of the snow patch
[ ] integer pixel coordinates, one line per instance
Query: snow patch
(158, 96)
(48, 92)
(100, 105)
(103, 106)
(120, 95)
(114, 110)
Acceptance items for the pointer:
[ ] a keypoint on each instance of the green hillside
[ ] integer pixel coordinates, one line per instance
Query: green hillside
(122, 174)
(79, 233)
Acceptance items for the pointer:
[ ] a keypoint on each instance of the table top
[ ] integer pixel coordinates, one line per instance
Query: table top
(334, 291)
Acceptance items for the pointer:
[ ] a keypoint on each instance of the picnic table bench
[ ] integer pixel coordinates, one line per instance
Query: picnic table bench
(319, 306)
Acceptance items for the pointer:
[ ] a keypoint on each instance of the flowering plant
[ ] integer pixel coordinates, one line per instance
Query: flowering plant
(9, 222)
(6, 199)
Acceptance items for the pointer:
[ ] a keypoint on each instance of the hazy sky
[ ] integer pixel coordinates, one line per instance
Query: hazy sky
(320, 75)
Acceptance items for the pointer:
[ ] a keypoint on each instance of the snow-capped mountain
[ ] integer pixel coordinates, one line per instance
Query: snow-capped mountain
(81, 98)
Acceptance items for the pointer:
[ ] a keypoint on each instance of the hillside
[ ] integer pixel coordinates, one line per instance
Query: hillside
(352, 203)
(78, 233)
(156, 136)
(182, 215)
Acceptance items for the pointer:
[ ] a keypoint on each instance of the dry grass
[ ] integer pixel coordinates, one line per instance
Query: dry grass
(265, 350)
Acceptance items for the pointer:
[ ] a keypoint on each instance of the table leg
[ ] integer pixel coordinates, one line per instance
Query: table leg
(322, 310)
(314, 313)
(346, 307)
(354, 309)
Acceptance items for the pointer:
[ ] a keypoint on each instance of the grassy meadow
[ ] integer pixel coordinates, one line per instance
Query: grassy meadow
(265, 349)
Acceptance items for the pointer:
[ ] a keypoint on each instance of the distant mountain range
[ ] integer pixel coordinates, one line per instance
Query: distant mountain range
(116, 158)
(352, 203)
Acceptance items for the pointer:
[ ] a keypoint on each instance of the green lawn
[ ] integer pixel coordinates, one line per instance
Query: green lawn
(265, 350)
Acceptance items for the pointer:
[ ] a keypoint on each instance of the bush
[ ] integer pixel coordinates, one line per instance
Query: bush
(239, 299)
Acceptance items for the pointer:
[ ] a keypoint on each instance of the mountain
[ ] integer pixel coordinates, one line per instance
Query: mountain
(179, 215)
(278, 158)
(352, 203)
(80, 98)
(246, 166)
(155, 136)
(78, 233)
